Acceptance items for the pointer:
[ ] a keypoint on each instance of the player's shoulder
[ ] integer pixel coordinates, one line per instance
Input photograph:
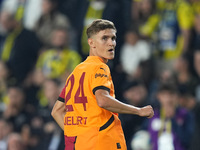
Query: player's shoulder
(104, 67)
(92, 67)
(93, 64)
(99, 66)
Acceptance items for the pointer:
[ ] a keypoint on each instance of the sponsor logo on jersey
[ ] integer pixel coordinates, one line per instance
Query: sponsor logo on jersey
(103, 69)
(100, 75)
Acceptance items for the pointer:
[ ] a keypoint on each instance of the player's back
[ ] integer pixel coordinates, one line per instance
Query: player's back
(83, 111)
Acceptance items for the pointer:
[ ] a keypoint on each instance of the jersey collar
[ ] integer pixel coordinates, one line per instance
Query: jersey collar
(95, 58)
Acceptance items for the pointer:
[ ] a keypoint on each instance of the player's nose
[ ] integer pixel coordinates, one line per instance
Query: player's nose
(111, 42)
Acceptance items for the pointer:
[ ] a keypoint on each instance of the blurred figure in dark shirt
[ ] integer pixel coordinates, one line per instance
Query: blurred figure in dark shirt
(18, 47)
(135, 93)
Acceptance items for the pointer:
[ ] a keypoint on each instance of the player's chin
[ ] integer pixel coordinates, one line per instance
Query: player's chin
(111, 57)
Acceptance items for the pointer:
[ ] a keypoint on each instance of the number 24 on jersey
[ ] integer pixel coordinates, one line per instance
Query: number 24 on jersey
(79, 97)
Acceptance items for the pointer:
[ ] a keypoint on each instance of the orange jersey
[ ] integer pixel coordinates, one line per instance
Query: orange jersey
(83, 112)
(109, 138)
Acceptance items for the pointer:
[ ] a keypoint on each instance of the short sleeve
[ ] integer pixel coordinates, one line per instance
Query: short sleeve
(62, 95)
(101, 79)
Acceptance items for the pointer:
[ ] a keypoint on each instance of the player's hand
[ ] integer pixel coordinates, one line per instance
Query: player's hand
(146, 111)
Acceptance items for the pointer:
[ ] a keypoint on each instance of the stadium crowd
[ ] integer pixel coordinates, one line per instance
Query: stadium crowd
(157, 62)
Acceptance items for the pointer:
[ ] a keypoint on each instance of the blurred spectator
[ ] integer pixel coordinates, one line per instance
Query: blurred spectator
(25, 133)
(50, 92)
(49, 20)
(54, 63)
(5, 129)
(186, 82)
(83, 12)
(173, 24)
(25, 10)
(59, 60)
(135, 61)
(196, 33)
(133, 52)
(142, 10)
(197, 69)
(54, 136)
(172, 126)
(36, 134)
(195, 5)
(187, 100)
(15, 142)
(15, 108)
(162, 77)
(3, 84)
(195, 145)
(135, 93)
(19, 47)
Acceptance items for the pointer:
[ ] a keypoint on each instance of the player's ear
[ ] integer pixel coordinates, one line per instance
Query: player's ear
(91, 43)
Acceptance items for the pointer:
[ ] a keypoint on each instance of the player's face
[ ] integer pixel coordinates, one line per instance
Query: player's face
(103, 44)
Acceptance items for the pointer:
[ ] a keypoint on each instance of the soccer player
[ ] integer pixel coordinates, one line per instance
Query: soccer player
(87, 109)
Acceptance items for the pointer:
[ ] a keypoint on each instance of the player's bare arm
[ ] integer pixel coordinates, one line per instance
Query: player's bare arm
(58, 113)
(107, 102)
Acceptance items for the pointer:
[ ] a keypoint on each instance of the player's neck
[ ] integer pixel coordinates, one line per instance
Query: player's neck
(104, 59)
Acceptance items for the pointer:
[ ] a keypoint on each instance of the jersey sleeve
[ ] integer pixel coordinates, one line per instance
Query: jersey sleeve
(101, 79)
(62, 95)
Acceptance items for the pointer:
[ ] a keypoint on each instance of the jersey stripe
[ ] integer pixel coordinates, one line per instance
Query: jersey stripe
(107, 124)
(100, 87)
